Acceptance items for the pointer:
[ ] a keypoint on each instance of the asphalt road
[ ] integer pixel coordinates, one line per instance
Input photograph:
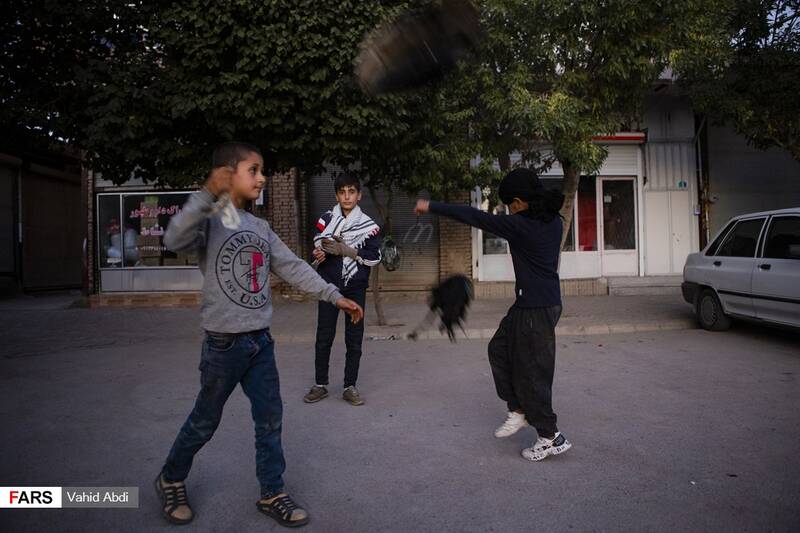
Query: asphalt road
(672, 431)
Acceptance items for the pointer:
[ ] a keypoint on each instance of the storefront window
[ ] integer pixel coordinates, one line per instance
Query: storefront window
(109, 237)
(131, 229)
(492, 244)
(619, 221)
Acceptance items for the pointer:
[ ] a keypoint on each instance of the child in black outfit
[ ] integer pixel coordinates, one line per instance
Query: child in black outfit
(522, 351)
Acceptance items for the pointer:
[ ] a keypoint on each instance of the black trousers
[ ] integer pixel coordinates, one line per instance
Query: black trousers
(327, 316)
(522, 355)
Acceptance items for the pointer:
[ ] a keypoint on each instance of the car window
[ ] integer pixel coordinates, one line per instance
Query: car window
(718, 240)
(783, 241)
(741, 242)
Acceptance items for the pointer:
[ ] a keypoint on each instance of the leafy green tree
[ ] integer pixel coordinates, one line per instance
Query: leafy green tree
(46, 47)
(552, 74)
(146, 89)
(742, 67)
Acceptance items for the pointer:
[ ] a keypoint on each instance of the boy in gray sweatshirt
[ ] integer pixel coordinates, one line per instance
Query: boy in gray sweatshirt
(237, 251)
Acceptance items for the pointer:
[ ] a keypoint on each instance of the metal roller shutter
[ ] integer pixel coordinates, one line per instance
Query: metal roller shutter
(417, 237)
(52, 232)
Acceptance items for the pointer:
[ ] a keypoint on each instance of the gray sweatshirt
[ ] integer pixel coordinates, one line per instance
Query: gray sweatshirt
(236, 265)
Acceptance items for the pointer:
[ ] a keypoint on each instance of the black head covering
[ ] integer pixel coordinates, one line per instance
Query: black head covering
(523, 183)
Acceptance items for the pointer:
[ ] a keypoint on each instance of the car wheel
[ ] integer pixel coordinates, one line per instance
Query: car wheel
(709, 312)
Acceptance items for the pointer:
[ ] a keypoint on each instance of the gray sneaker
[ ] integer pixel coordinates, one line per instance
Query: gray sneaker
(351, 396)
(316, 394)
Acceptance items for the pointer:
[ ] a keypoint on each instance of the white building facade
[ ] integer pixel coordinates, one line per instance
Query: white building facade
(638, 216)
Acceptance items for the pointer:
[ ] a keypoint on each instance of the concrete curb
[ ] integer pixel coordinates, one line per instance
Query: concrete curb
(565, 330)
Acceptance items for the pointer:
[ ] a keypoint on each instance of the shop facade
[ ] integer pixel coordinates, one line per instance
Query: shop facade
(605, 236)
(637, 216)
(651, 204)
(130, 251)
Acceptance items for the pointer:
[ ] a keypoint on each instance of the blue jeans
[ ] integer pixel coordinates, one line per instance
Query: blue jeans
(228, 359)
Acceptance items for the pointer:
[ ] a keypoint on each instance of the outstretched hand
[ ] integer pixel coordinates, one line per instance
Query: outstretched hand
(351, 308)
(422, 207)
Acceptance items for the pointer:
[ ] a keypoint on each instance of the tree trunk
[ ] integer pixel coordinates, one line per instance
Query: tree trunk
(376, 294)
(572, 176)
(504, 161)
(385, 212)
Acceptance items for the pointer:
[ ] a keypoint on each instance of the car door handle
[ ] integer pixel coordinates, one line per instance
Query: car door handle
(717, 263)
(765, 266)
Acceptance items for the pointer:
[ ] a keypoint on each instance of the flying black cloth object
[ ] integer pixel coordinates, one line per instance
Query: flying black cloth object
(449, 301)
(417, 47)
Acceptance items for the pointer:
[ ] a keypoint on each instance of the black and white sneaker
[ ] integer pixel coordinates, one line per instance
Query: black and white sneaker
(545, 447)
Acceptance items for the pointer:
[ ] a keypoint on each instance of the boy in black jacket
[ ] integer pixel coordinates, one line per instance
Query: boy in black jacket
(523, 350)
(346, 246)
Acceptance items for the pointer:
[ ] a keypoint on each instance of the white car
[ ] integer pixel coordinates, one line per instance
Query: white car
(750, 270)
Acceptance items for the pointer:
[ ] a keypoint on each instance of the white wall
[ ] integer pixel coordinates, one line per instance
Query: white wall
(622, 160)
(671, 228)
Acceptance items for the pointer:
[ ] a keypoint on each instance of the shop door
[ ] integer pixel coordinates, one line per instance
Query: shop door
(618, 245)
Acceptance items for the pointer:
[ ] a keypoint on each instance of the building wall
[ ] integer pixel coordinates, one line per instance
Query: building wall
(9, 283)
(669, 193)
(89, 251)
(455, 243)
(8, 200)
(52, 229)
(743, 179)
(41, 229)
(284, 208)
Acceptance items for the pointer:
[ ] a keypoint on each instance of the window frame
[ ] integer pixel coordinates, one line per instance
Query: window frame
(764, 218)
(481, 195)
(765, 238)
(121, 195)
(720, 238)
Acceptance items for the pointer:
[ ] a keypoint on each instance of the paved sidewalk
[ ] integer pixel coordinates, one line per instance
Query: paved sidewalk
(81, 328)
(582, 315)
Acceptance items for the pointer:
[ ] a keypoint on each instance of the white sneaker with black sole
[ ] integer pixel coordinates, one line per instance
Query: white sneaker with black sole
(543, 448)
(514, 422)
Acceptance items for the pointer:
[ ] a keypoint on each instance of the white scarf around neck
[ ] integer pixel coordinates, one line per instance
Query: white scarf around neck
(354, 229)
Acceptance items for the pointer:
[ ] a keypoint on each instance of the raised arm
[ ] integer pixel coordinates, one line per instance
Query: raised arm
(500, 225)
(185, 230)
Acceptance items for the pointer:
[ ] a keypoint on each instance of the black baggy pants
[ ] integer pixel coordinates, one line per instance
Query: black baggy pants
(522, 355)
(353, 336)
